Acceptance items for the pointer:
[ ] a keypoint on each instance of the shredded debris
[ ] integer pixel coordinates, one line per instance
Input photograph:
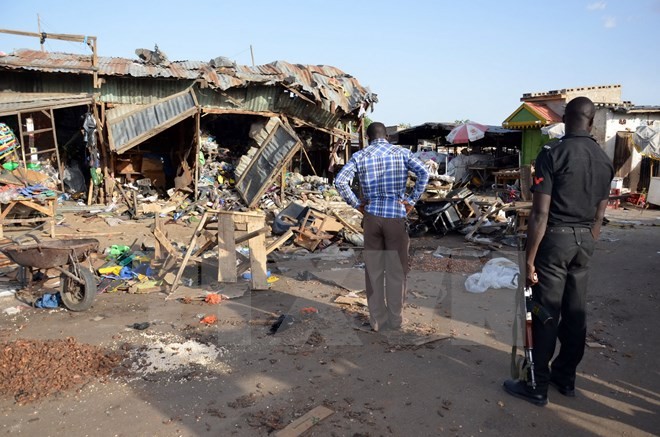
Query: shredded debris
(34, 369)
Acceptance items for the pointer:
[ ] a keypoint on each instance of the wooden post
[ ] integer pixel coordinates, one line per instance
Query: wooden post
(257, 247)
(90, 191)
(309, 161)
(226, 249)
(197, 150)
(52, 205)
(60, 169)
(191, 248)
(158, 249)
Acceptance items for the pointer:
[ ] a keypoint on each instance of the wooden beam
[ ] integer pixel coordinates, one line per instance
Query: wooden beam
(279, 242)
(191, 247)
(226, 249)
(345, 223)
(257, 247)
(253, 234)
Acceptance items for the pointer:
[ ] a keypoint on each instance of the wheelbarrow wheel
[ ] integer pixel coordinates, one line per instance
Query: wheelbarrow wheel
(76, 296)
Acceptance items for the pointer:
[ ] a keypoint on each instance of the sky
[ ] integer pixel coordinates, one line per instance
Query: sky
(428, 61)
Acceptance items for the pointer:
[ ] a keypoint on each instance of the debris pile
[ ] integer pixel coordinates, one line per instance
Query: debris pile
(34, 369)
(30, 177)
(484, 222)
(128, 270)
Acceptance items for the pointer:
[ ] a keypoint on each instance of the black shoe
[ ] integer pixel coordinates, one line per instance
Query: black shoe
(519, 389)
(565, 389)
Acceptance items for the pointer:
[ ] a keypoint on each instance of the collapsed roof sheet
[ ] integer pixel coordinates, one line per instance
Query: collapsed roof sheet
(320, 82)
(13, 103)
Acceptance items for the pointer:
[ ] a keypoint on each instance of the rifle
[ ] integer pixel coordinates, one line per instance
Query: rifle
(529, 342)
(531, 307)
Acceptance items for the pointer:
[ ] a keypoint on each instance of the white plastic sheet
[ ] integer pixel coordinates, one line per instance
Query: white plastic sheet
(496, 273)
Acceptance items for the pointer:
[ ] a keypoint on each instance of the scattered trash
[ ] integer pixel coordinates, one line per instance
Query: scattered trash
(12, 311)
(214, 298)
(141, 326)
(308, 311)
(8, 291)
(209, 320)
(49, 301)
(496, 273)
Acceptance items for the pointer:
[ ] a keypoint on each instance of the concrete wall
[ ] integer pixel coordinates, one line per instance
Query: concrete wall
(598, 94)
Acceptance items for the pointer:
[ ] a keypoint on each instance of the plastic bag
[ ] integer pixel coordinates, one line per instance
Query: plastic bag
(496, 273)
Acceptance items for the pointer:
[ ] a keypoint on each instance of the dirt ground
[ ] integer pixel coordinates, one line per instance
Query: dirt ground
(441, 376)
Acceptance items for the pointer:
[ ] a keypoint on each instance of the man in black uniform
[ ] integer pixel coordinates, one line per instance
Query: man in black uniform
(571, 189)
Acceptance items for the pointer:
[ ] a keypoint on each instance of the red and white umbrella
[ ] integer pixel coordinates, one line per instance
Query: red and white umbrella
(467, 132)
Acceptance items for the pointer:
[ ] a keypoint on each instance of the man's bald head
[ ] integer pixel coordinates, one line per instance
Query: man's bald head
(376, 130)
(579, 114)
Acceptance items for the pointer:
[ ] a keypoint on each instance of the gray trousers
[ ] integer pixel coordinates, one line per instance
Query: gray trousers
(386, 245)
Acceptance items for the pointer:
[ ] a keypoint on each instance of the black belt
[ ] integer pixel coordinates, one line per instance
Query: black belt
(567, 229)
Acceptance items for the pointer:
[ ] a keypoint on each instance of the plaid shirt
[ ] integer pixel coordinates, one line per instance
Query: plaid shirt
(382, 170)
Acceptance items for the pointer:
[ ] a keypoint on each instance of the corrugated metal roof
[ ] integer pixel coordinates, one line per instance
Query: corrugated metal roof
(132, 124)
(13, 103)
(321, 83)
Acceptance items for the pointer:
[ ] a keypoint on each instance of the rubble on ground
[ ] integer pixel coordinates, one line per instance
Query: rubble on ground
(34, 369)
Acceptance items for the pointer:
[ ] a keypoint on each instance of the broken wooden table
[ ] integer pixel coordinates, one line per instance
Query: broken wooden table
(233, 228)
(315, 228)
(46, 207)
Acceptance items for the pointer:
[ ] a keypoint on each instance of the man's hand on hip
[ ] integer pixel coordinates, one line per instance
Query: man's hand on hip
(407, 205)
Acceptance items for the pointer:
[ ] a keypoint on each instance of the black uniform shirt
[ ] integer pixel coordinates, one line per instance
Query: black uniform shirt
(576, 173)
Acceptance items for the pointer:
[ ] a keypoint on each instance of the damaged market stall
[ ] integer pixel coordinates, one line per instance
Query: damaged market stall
(473, 163)
(152, 110)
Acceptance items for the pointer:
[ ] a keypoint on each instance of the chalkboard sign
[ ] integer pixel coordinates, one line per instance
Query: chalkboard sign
(279, 147)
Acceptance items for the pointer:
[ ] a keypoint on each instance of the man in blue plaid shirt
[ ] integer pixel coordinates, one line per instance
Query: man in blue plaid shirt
(382, 170)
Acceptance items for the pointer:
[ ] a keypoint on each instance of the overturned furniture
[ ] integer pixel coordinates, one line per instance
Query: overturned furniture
(47, 207)
(224, 229)
(315, 228)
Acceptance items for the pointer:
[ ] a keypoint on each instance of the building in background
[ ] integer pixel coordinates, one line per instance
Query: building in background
(614, 125)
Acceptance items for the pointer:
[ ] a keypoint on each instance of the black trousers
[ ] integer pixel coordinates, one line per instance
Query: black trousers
(562, 265)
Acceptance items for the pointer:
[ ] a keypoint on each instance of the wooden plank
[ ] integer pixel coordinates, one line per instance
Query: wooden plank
(226, 249)
(165, 243)
(90, 191)
(345, 223)
(257, 247)
(279, 242)
(305, 422)
(44, 209)
(238, 213)
(159, 248)
(191, 247)
(211, 241)
(252, 234)
(90, 234)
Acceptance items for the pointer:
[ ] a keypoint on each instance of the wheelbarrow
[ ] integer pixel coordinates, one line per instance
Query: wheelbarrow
(66, 256)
